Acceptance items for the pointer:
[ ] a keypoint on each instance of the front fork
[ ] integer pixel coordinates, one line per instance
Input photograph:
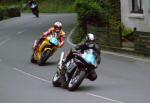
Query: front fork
(60, 63)
(34, 45)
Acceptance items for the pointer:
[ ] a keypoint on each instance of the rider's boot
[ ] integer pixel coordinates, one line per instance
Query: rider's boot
(92, 75)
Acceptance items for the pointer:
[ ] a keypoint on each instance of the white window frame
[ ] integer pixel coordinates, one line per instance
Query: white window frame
(137, 6)
(135, 15)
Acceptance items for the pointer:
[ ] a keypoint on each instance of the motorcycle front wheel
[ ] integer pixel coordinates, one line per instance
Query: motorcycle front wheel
(32, 59)
(35, 11)
(44, 57)
(55, 80)
(76, 80)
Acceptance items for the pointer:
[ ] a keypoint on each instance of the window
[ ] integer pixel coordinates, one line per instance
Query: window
(137, 6)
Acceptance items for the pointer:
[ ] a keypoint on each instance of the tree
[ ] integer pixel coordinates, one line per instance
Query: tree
(113, 8)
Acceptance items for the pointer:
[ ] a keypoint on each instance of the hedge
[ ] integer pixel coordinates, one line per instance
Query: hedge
(8, 12)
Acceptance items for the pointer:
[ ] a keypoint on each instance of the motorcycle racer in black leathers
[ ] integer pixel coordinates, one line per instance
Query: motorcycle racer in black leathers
(35, 8)
(89, 44)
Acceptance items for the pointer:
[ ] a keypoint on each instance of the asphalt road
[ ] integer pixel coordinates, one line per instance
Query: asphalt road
(121, 79)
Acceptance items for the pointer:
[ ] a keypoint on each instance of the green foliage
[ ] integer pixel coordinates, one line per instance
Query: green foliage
(76, 37)
(113, 8)
(45, 6)
(89, 12)
(114, 23)
(126, 30)
(1, 14)
(114, 14)
(55, 6)
(7, 12)
(13, 12)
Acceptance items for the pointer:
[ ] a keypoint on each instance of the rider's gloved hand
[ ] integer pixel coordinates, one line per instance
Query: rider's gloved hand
(60, 45)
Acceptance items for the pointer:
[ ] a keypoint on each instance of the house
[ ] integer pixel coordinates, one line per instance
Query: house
(135, 14)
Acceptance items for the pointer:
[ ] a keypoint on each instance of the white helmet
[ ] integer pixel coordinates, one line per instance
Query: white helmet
(57, 26)
(90, 37)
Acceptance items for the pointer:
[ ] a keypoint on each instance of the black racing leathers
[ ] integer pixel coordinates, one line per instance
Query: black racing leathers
(32, 2)
(87, 46)
(92, 75)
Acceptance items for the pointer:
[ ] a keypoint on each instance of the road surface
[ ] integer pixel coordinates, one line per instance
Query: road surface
(121, 79)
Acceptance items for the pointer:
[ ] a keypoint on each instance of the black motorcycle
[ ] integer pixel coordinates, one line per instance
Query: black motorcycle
(35, 9)
(75, 71)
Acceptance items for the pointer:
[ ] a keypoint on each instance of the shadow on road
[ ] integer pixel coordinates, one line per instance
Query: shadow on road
(50, 63)
(87, 88)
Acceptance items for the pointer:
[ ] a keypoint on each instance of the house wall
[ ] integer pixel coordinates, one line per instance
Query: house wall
(132, 20)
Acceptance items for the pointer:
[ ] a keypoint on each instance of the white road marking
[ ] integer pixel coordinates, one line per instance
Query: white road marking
(21, 71)
(3, 42)
(20, 32)
(105, 98)
(127, 56)
(47, 81)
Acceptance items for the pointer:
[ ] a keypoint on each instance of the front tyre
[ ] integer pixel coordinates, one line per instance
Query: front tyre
(44, 57)
(35, 11)
(32, 59)
(36, 14)
(55, 80)
(76, 80)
